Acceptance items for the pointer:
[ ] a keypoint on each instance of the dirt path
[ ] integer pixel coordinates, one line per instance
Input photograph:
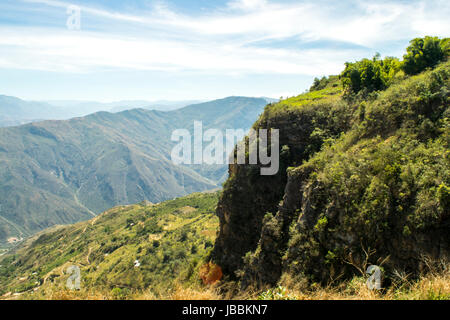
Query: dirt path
(89, 254)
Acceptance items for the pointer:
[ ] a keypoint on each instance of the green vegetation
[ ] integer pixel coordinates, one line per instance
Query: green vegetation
(378, 74)
(364, 180)
(171, 240)
(383, 183)
(370, 75)
(324, 82)
(425, 53)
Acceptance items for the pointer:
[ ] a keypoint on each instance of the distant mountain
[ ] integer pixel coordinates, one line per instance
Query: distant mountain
(87, 107)
(15, 111)
(270, 100)
(100, 106)
(161, 105)
(59, 172)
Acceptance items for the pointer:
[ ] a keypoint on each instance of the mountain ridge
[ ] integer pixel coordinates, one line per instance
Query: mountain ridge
(102, 160)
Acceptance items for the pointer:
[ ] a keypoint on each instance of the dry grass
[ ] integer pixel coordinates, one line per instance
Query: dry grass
(434, 285)
(181, 293)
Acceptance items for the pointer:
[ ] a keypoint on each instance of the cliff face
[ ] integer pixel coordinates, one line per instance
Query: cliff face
(362, 181)
(249, 196)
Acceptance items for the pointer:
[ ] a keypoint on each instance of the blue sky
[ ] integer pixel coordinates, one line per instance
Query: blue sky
(176, 50)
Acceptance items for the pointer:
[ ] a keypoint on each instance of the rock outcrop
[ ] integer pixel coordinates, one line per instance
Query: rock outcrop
(362, 181)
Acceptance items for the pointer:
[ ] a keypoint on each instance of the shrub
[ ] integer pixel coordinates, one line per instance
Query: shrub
(210, 273)
(369, 75)
(119, 293)
(322, 83)
(424, 53)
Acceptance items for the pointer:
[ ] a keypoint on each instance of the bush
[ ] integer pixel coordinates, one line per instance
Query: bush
(425, 53)
(320, 84)
(369, 75)
(278, 293)
(210, 273)
(119, 293)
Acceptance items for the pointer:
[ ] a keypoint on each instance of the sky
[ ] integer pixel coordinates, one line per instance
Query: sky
(205, 49)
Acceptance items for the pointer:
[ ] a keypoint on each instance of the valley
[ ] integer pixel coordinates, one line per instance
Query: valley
(61, 172)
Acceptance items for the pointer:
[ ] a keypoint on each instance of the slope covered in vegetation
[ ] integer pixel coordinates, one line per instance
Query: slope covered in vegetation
(171, 243)
(364, 179)
(169, 240)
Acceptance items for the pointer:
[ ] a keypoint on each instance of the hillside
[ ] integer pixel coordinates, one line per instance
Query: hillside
(364, 179)
(60, 172)
(170, 240)
(147, 251)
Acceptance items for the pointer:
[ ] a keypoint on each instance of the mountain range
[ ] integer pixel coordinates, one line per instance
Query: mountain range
(60, 172)
(15, 111)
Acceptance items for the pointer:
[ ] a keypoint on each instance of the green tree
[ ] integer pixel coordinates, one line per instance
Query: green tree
(369, 74)
(425, 53)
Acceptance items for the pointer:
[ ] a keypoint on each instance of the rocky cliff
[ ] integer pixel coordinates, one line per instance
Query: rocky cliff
(364, 179)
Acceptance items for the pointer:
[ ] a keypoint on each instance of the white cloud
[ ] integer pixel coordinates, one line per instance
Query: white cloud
(84, 52)
(225, 40)
(90, 10)
(247, 4)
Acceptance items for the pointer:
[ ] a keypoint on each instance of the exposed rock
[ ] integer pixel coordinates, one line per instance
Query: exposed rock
(317, 224)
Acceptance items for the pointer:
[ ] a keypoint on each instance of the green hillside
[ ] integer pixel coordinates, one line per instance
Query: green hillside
(60, 172)
(364, 179)
(170, 240)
